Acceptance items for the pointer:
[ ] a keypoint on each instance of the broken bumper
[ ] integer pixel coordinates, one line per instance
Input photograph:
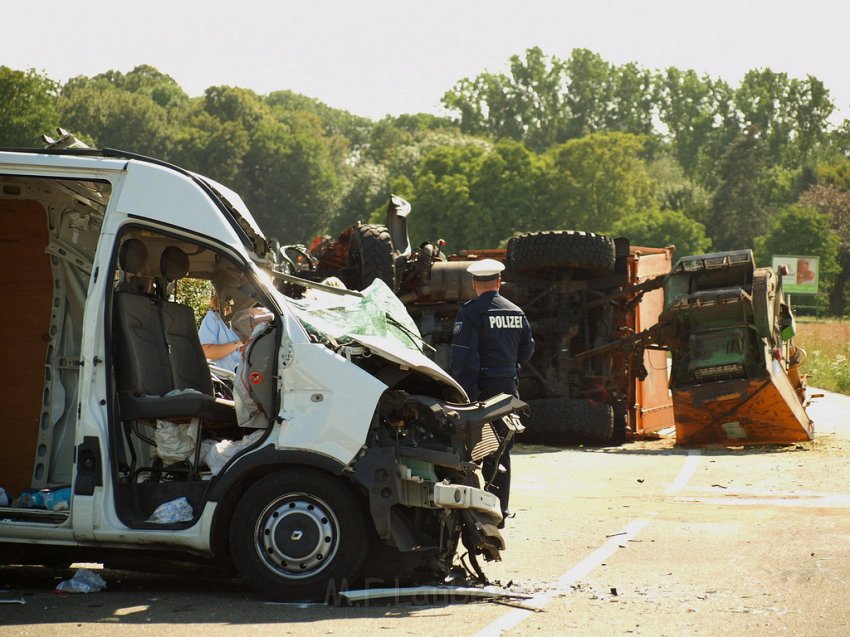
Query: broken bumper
(457, 496)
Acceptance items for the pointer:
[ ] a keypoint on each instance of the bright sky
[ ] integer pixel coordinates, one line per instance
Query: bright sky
(378, 57)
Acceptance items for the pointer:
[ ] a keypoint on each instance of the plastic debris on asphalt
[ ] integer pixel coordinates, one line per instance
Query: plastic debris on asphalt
(84, 581)
(178, 510)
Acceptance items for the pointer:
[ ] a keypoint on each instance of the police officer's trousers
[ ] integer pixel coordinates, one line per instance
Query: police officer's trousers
(501, 485)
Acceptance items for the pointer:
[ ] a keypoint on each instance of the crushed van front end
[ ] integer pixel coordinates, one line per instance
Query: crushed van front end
(421, 472)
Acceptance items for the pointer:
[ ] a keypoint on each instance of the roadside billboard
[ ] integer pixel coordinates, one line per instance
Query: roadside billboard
(803, 271)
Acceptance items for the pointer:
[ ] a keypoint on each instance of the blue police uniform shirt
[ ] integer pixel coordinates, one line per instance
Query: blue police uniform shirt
(214, 331)
(491, 337)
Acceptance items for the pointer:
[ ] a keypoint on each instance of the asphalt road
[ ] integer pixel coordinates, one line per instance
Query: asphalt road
(643, 539)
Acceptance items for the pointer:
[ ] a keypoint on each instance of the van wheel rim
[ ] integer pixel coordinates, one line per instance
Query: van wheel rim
(297, 536)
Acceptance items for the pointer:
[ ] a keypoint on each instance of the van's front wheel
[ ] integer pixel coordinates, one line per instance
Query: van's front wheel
(298, 536)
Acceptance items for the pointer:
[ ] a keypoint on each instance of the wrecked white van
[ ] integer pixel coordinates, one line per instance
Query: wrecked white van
(361, 455)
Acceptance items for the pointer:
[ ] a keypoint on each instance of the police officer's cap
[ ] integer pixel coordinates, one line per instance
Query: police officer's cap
(486, 270)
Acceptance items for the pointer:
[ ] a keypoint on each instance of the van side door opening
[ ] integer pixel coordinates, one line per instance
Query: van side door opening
(164, 393)
(50, 230)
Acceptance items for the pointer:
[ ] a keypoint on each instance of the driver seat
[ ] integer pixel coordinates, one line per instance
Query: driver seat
(160, 369)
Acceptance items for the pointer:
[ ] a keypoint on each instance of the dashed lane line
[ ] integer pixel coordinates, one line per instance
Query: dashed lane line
(685, 474)
(587, 565)
(514, 617)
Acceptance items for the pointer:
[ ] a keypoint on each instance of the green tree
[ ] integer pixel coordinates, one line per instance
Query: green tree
(598, 179)
(547, 101)
(739, 211)
(835, 173)
(474, 197)
(367, 192)
(589, 93)
(698, 115)
(109, 116)
(538, 104)
(835, 204)
(289, 182)
(443, 198)
(509, 188)
(789, 115)
(335, 122)
(633, 100)
(799, 230)
(661, 228)
(27, 107)
(485, 106)
(233, 104)
(149, 81)
(676, 191)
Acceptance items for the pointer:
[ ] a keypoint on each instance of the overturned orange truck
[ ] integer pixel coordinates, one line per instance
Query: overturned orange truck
(581, 292)
(606, 316)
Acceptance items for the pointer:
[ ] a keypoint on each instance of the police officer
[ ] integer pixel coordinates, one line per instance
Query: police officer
(491, 339)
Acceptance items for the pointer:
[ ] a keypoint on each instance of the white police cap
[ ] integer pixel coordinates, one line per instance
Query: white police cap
(486, 269)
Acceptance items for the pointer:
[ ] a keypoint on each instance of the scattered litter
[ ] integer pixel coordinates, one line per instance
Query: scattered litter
(16, 600)
(50, 499)
(216, 454)
(84, 581)
(175, 442)
(515, 604)
(178, 510)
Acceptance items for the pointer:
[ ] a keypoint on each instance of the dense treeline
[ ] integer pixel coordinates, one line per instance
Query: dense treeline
(663, 157)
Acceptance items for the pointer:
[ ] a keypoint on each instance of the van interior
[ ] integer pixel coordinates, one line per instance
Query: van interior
(141, 322)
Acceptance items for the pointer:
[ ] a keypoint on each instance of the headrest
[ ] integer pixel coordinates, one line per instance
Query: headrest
(173, 264)
(133, 256)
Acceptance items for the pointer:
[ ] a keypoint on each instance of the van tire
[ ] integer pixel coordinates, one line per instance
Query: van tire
(565, 420)
(299, 536)
(552, 252)
(370, 256)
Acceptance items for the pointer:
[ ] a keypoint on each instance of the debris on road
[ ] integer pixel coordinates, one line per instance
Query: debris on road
(84, 581)
(434, 593)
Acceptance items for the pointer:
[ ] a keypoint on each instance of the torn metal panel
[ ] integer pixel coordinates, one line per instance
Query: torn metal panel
(453, 593)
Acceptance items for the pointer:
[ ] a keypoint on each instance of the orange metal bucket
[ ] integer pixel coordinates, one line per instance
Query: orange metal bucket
(764, 410)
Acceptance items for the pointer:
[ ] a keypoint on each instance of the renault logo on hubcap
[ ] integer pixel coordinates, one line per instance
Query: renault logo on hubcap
(296, 535)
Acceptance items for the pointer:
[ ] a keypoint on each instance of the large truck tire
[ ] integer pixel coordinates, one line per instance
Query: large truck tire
(551, 252)
(621, 423)
(568, 421)
(370, 256)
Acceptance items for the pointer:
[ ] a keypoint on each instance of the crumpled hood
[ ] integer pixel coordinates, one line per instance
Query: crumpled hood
(376, 320)
(406, 357)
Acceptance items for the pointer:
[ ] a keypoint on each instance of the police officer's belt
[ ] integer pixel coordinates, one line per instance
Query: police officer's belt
(498, 372)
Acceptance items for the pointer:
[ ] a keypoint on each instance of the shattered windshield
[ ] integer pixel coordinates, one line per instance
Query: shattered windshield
(378, 312)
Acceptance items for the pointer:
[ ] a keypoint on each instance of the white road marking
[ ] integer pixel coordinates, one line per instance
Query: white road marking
(588, 564)
(591, 562)
(686, 473)
(836, 501)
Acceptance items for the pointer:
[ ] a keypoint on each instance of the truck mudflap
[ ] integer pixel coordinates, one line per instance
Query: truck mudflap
(760, 411)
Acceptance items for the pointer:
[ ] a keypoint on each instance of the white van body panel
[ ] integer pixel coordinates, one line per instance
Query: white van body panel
(158, 194)
(327, 403)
